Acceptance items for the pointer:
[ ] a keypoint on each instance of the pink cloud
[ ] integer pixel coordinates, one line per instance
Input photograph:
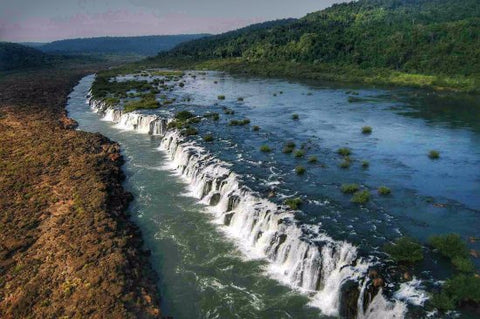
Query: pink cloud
(115, 23)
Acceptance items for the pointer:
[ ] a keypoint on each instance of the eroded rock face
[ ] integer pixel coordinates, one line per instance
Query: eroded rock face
(349, 298)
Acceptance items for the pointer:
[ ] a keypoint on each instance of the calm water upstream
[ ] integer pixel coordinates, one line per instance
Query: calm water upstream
(208, 273)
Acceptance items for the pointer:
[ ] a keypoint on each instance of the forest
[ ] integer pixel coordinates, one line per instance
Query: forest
(428, 37)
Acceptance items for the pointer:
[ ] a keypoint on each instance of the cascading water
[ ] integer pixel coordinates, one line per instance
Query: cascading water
(133, 121)
(300, 256)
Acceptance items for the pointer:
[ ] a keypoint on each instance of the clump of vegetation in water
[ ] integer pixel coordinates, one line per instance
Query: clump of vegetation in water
(145, 103)
(240, 99)
(265, 149)
(365, 164)
(221, 97)
(346, 163)
(239, 122)
(190, 131)
(450, 245)
(111, 101)
(293, 203)
(462, 288)
(195, 119)
(288, 147)
(208, 138)
(349, 188)
(228, 111)
(256, 128)
(312, 159)
(184, 116)
(367, 130)
(361, 197)
(344, 151)
(405, 250)
(384, 190)
(295, 116)
(213, 116)
(299, 153)
(181, 84)
(434, 154)
(300, 170)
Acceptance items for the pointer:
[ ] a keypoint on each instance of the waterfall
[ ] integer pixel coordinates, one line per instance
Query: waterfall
(132, 121)
(299, 255)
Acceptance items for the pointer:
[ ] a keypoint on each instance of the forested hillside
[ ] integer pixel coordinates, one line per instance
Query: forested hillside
(438, 37)
(144, 45)
(17, 56)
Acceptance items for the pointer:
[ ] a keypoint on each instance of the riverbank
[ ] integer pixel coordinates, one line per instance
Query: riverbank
(68, 247)
(325, 72)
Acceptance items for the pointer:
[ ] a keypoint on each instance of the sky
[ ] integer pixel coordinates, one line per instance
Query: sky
(49, 20)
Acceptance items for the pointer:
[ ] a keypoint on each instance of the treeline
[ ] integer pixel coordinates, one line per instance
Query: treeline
(414, 36)
(142, 45)
(17, 56)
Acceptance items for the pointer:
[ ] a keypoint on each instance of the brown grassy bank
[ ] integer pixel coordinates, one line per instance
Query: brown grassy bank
(67, 248)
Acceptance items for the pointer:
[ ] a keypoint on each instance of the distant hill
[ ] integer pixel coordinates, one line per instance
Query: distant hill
(17, 56)
(438, 37)
(142, 45)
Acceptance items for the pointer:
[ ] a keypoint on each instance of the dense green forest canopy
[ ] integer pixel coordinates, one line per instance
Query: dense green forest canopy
(17, 56)
(142, 45)
(415, 36)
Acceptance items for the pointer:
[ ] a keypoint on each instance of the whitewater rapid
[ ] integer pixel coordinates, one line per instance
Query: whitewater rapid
(301, 256)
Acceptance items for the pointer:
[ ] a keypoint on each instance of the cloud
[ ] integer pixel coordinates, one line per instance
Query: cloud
(114, 23)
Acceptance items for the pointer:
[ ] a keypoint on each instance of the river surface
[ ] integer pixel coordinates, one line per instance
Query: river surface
(205, 274)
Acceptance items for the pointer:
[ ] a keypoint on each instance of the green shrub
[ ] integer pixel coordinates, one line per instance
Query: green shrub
(463, 264)
(344, 151)
(190, 131)
(405, 250)
(221, 97)
(208, 138)
(240, 99)
(299, 153)
(312, 159)
(256, 128)
(349, 188)
(346, 163)
(361, 197)
(365, 164)
(293, 203)
(288, 147)
(300, 170)
(183, 115)
(144, 103)
(384, 190)
(434, 155)
(196, 119)
(458, 289)
(449, 245)
(265, 148)
(295, 116)
(463, 288)
(366, 130)
(213, 116)
(442, 301)
(239, 123)
(181, 84)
